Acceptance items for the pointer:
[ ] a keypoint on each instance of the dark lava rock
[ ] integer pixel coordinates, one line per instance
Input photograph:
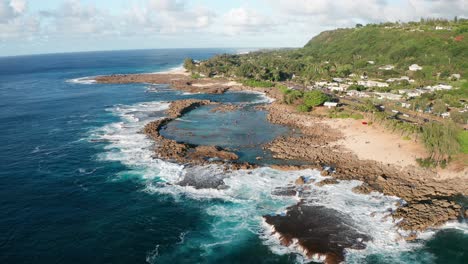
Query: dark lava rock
(319, 230)
(284, 191)
(200, 178)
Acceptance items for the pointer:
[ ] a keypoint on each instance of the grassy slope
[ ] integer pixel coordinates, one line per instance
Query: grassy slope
(436, 50)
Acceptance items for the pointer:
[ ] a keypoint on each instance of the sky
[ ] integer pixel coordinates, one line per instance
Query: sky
(53, 26)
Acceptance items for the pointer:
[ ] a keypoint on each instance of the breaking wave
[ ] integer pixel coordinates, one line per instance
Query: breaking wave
(83, 80)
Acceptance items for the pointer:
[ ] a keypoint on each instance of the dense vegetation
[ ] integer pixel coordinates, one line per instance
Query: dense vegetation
(361, 51)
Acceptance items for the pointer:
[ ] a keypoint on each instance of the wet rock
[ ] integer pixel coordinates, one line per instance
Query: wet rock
(318, 230)
(226, 108)
(300, 181)
(363, 189)
(285, 191)
(204, 152)
(179, 108)
(327, 182)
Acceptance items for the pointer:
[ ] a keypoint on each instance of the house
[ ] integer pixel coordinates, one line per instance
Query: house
(339, 88)
(415, 67)
(406, 105)
(371, 62)
(455, 77)
(402, 78)
(338, 80)
(412, 93)
(355, 93)
(442, 28)
(321, 84)
(445, 115)
(439, 87)
(330, 104)
(372, 84)
(389, 96)
(387, 67)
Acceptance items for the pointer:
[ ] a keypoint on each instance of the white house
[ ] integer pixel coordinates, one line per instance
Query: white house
(415, 67)
(389, 96)
(372, 84)
(371, 62)
(387, 67)
(455, 77)
(321, 84)
(439, 87)
(412, 93)
(442, 28)
(402, 78)
(338, 88)
(406, 105)
(445, 115)
(355, 93)
(330, 104)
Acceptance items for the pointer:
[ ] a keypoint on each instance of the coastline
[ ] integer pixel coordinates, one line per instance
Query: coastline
(338, 143)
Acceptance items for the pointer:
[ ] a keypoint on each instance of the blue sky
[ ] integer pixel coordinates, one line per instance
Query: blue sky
(47, 26)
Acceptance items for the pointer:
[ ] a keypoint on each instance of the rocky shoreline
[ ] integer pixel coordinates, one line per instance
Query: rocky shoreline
(428, 202)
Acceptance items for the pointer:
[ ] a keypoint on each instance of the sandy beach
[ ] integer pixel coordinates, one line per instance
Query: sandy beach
(375, 143)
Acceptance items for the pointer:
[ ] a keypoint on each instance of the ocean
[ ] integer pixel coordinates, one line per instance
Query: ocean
(79, 184)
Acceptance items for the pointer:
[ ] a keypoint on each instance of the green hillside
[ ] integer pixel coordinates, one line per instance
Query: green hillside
(439, 46)
(438, 51)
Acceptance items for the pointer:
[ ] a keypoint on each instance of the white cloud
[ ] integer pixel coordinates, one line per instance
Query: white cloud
(11, 9)
(279, 21)
(18, 5)
(351, 11)
(167, 5)
(167, 17)
(243, 20)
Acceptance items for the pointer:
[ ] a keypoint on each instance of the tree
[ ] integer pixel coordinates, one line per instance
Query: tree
(315, 98)
(189, 64)
(460, 118)
(359, 25)
(303, 108)
(441, 140)
(439, 107)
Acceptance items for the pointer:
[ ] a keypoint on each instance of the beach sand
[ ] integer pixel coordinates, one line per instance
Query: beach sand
(375, 143)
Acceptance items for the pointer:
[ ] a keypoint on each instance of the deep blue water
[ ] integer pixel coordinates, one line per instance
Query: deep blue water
(78, 185)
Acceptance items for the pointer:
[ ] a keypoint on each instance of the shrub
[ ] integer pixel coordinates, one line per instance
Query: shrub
(283, 88)
(256, 83)
(315, 98)
(304, 108)
(462, 139)
(441, 140)
(426, 163)
(196, 76)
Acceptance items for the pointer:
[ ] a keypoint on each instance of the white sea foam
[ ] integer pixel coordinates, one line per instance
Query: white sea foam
(175, 69)
(264, 99)
(249, 195)
(83, 80)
